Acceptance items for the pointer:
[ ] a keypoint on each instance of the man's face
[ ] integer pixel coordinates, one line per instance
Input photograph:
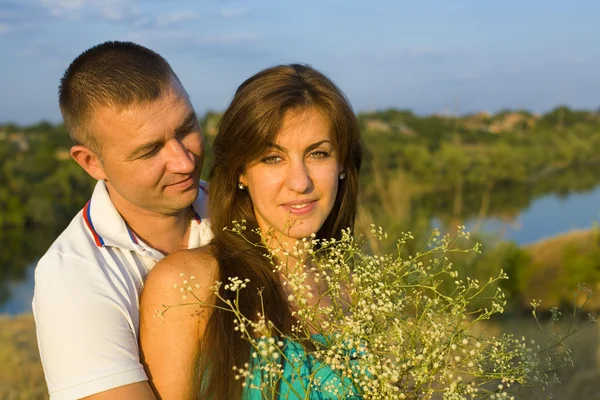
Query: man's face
(152, 153)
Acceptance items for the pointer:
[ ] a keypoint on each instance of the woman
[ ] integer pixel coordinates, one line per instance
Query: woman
(286, 160)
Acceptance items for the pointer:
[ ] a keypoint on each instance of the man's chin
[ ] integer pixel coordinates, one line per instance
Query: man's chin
(180, 199)
(188, 195)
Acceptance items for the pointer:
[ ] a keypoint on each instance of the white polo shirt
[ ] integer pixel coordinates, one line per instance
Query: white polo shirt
(86, 298)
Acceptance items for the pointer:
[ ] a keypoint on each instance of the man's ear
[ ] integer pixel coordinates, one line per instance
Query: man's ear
(89, 161)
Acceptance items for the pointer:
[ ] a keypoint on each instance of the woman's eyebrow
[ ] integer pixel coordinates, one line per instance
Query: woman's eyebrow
(317, 144)
(278, 147)
(308, 148)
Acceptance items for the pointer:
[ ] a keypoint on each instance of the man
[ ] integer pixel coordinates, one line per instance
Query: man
(136, 132)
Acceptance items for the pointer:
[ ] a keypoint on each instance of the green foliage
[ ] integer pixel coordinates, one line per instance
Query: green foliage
(514, 260)
(383, 326)
(443, 154)
(443, 150)
(505, 257)
(580, 266)
(419, 170)
(37, 187)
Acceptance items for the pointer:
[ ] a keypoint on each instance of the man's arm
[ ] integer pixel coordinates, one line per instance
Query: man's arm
(86, 340)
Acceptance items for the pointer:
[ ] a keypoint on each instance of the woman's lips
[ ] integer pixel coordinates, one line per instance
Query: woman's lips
(300, 208)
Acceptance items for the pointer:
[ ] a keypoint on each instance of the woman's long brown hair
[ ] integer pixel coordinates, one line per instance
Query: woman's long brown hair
(248, 126)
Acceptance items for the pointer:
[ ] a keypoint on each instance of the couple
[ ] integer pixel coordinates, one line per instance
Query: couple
(288, 149)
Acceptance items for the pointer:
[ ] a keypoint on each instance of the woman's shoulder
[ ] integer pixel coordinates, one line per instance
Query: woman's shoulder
(183, 272)
(175, 307)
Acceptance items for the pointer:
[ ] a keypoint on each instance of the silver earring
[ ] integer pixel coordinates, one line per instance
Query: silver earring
(342, 175)
(241, 186)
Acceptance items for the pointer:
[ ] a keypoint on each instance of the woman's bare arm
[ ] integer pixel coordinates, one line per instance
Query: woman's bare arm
(169, 343)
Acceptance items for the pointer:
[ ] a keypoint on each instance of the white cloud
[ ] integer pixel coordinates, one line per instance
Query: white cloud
(236, 46)
(4, 28)
(228, 39)
(234, 12)
(178, 37)
(31, 14)
(60, 8)
(175, 18)
(111, 10)
(16, 15)
(113, 14)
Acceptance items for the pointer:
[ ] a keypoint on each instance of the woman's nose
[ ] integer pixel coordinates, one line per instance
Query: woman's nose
(298, 178)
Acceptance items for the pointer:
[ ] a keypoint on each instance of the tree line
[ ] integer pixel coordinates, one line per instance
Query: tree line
(453, 155)
(417, 168)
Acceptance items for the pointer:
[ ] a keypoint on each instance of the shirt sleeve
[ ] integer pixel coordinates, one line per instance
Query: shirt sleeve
(86, 340)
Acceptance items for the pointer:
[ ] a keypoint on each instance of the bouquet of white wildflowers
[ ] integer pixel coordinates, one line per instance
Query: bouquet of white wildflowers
(389, 326)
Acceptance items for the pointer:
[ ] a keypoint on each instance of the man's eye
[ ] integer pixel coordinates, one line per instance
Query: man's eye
(186, 131)
(152, 152)
(271, 159)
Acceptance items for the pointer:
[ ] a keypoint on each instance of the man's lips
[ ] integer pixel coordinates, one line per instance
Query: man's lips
(185, 183)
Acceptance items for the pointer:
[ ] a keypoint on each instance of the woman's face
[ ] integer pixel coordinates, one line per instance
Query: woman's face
(293, 184)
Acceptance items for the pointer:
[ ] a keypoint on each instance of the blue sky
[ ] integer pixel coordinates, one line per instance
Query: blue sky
(448, 56)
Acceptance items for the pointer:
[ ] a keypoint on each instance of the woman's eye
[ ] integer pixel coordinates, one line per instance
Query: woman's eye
(320, 154)
(271, 159)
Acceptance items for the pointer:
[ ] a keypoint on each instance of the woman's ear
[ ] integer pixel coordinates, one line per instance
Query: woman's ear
(242, 179)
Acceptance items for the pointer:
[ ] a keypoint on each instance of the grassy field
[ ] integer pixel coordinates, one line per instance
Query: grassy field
(557, 265)
(21, 375)
(577, 382)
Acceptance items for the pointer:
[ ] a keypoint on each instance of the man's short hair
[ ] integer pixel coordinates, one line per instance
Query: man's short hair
(113, 74)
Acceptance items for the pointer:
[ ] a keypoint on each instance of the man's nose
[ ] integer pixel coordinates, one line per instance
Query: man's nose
(181, 160)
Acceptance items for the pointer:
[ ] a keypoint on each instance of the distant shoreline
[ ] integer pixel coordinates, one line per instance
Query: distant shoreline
(569, 235)
(543, 252)
(21, 368)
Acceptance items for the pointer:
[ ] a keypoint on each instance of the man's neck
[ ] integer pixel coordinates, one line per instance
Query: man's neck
(165, 233)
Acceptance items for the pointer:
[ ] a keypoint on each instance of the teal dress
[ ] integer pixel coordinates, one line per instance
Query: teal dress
(301, 372)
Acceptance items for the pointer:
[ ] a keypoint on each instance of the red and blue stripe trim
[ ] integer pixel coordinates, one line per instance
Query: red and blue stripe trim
(88, 221)
(204, 189)
(197, 217)
(132, 236)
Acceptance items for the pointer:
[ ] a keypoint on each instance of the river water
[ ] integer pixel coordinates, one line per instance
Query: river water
(545, 216)
(548, 216)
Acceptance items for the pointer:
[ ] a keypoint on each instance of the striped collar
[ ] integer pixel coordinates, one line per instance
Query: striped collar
(108, 228)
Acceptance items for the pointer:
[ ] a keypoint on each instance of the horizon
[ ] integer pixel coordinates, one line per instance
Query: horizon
(201, 115)
(454, 58)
